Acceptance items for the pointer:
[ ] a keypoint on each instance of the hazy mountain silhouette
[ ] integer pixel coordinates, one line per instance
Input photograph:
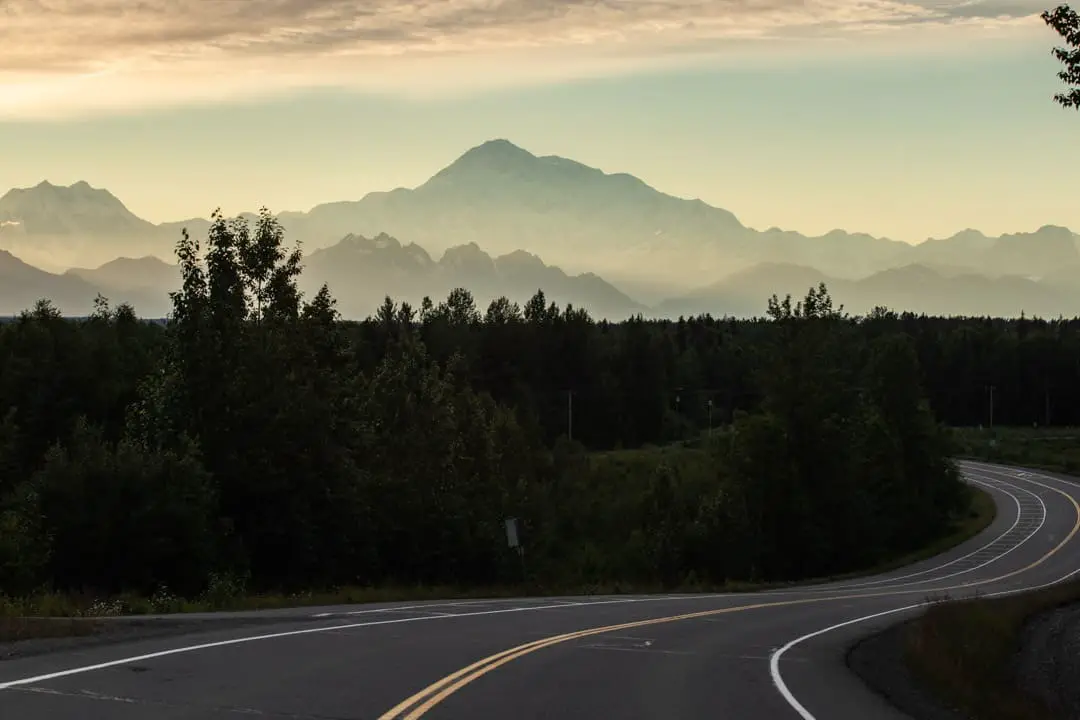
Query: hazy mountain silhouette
(362, 271)
(1047, 251)
(916, 288)
(22, 285)
(53, 225)
(516, 205)
(503, 198)
(145, 273)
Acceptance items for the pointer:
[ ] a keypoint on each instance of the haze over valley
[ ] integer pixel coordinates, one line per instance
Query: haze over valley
(501, 221)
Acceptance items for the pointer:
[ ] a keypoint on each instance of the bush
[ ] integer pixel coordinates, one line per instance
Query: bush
(115, 518)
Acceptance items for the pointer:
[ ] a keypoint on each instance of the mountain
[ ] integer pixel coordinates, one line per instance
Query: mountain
(22, 285)
(362, 271)
(506, 200)
(503, 198)
(126, 274)
(49, 209)
(1047, 251)
(50, 225)
(916, 288)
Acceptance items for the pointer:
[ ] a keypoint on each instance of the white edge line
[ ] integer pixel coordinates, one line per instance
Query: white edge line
(1033, 533)
(311, 631)
(774, 658)
(798, 591)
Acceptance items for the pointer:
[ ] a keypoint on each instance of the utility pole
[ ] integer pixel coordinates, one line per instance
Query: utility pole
(570, 414)
(991, 388)
(710, 417)
(1046, 392)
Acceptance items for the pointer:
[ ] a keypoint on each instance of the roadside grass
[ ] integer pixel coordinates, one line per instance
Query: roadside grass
(962, 652)
(40, 615)
(1056, 449)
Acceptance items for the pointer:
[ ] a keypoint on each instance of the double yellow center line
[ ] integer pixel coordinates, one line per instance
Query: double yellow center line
(423, 701)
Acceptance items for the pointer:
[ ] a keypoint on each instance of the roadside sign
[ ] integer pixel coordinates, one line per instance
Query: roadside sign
(512, 533)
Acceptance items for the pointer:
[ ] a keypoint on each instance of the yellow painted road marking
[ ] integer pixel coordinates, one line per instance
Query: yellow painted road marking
(426, 699)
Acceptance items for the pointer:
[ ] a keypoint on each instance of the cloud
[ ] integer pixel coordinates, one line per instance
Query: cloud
(64, 56)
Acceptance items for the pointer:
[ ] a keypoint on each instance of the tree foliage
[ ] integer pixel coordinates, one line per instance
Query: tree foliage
(258, 436)
(1066, 23)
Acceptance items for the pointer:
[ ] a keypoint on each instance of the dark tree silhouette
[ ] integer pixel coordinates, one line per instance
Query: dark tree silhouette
(257, 441)
(1066, 23)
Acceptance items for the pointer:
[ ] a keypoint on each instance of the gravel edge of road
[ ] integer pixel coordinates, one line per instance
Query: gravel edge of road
(878, 660)
(1047, 665)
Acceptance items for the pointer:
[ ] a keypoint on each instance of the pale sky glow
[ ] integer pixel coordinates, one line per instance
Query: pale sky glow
(64, 57)
(900, 118)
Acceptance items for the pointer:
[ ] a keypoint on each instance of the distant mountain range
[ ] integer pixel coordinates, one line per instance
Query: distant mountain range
(497, 210)
(915, 288)
(360, 271)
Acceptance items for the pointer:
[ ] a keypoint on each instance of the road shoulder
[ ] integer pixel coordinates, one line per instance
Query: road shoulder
(878, 660)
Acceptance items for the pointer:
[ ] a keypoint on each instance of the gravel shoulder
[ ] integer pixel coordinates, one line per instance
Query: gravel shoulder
(1048, 662)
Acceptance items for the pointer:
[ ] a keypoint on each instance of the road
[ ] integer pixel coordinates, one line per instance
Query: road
(776, 654)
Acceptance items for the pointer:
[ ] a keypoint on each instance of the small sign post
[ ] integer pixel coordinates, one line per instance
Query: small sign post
(512, 533)
(514, 542)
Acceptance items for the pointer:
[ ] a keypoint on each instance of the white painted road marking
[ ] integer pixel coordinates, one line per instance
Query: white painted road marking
(312, 631)
(774, 659)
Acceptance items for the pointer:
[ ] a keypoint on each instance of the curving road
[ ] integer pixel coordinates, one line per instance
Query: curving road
(776, 654)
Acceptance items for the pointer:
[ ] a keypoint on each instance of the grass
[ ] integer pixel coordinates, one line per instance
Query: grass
(963, 652)
(1054, 449)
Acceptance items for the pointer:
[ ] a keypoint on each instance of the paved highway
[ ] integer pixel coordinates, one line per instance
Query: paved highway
(776, 654)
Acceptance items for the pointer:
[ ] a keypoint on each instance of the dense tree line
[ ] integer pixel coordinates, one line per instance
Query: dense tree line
(257, 437)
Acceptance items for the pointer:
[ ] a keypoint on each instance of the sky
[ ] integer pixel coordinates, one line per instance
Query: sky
(899, 118)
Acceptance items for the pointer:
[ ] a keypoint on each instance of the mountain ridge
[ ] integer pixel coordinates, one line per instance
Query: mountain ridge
(361, 271)
(503, 198)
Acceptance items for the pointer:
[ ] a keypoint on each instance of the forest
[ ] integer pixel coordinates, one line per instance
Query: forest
(258, 440)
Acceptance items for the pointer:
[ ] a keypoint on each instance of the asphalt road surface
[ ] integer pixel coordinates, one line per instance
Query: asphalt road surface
(775, 654)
